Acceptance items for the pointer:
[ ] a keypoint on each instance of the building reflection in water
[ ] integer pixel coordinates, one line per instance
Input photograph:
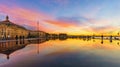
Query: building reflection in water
(9, 47)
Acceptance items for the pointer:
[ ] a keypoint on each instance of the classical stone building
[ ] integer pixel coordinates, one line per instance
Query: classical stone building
(36, 34)
(9, 30)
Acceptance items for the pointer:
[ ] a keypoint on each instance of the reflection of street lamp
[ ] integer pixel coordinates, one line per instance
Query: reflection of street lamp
(118, 33)
(38, 47)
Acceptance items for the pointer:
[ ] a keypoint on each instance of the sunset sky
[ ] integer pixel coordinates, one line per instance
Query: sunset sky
(65, 16)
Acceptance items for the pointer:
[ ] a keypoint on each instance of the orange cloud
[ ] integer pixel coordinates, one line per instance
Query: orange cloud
(47, 23)
(59, 23)
(29, 17)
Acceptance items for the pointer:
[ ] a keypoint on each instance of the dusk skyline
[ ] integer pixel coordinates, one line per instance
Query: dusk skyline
(59, 33)
(65, 16)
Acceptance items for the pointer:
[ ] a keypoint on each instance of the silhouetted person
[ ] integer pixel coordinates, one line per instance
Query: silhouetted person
(111, 38)
(93, 37)
(101, 39)
(20, 38)
(16, 37)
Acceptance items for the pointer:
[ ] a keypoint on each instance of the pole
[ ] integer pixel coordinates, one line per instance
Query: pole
(38, 28)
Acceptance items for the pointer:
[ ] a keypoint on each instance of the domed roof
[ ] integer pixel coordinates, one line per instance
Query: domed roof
(8, 23)
(7, 19)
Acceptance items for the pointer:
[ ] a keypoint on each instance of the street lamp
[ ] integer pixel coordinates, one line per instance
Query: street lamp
(38, 28)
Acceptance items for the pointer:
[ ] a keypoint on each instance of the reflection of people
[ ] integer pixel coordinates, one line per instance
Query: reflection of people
(16, 42)
(118, 43)
(93, 40)
(20, 42)
(8, 57)
(23, 42)
(102, 42)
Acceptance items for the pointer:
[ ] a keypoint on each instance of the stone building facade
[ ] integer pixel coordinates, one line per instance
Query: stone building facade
(9, 30)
